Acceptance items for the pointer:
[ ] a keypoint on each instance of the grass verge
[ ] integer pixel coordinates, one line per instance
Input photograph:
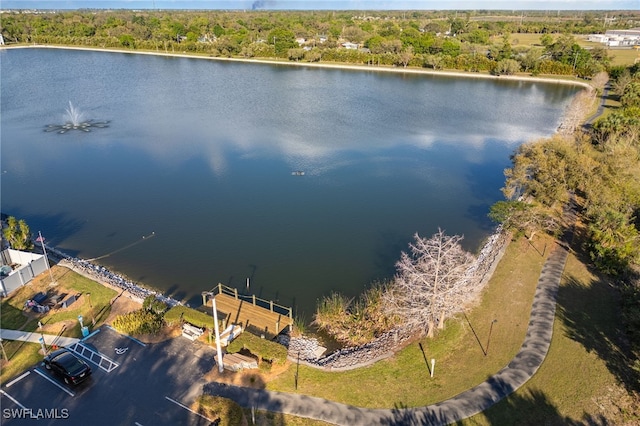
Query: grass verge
(583, 378)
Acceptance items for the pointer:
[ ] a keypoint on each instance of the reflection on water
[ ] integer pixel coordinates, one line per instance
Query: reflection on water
(203, 153)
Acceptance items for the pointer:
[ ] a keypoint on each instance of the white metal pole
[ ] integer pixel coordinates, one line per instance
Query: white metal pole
(217, 330)
(46, 258)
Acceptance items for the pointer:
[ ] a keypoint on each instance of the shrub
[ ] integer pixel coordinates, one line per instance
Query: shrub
(182, 313)
(151, 303)
(265, 350)
(355, 321)
(138, 322)
(299, 326)
(223, 411)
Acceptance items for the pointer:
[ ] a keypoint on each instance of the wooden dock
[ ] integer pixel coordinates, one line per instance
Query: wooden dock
(256, 315)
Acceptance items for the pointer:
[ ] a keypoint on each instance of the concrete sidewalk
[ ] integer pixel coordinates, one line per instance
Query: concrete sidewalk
(473, 401)
(34, 337)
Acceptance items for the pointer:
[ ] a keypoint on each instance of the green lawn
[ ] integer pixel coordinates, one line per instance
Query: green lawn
(93, 303)
(578, 380)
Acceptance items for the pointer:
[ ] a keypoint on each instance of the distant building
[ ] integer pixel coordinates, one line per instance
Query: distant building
(207, 38)
(349, 45)
(617, 38)
(632, 32)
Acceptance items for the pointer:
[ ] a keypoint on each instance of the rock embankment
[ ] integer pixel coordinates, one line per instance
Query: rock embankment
(305, 349)
(103, 275)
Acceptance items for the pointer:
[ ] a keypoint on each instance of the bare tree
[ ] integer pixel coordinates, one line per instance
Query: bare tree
(434, 281)
(577, 111)
(406, 56)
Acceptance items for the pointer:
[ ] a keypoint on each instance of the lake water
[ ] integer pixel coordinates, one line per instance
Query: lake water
(198, 158)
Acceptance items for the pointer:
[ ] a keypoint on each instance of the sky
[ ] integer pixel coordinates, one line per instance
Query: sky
(327, 4)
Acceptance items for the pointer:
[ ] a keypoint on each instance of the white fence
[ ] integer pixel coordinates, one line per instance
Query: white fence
(27, 266)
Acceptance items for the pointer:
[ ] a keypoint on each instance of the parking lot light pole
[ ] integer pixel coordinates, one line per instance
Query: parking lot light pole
(217, 331)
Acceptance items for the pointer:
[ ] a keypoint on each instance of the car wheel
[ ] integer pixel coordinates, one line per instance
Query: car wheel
(67, 381)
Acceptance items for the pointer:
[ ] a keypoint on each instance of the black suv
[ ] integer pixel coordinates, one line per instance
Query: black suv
(70, 368)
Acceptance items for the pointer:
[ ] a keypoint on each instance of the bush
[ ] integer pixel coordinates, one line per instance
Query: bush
(223, 411)
(151, 303)
(355, 322)
(265, 350)
(141, 321)
(182, 313)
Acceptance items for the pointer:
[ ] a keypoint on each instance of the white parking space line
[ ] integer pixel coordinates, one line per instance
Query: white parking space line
(54, 382)
(15, 401)
(188, 409)
(103, 361)
(17, 379)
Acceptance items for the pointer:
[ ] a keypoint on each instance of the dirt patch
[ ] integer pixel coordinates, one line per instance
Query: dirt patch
(59, 327)
(120, 306)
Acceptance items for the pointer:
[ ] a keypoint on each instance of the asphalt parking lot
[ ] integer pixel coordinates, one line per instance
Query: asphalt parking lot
(132, 384)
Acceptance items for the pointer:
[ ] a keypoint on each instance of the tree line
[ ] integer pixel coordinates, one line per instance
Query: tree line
(473, 41)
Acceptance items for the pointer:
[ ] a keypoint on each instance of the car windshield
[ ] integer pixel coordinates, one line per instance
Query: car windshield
(70, 363)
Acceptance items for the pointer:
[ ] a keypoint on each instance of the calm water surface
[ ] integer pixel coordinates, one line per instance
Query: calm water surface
(200, 153)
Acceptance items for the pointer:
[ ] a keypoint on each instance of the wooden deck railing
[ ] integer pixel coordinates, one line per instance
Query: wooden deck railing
(253, 299)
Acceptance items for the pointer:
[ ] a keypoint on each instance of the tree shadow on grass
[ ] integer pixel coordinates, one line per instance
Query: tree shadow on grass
(590, 315)
(532, 407)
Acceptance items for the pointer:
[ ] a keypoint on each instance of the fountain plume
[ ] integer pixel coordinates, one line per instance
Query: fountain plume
(74, 116)
(75, 120)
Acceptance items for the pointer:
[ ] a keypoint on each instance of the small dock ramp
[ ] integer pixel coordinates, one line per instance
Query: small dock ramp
(256, 315)
(94, 357)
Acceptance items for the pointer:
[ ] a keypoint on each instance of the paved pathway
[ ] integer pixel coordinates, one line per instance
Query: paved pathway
(589, 121)
(473, 401)
(34, 337)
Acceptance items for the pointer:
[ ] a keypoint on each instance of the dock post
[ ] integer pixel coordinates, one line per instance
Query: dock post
(235, 292)
(271, 305)
(254, 299)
